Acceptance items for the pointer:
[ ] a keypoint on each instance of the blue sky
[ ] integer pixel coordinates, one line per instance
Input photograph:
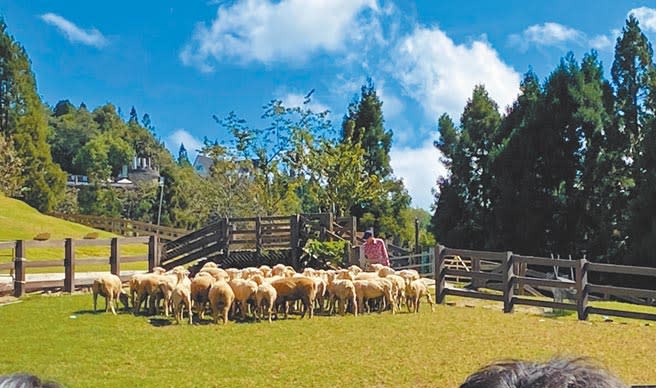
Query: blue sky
(182, 62)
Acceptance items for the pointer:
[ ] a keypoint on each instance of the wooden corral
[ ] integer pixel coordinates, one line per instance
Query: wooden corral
(252, 241)
(508, 273)
(22, 264)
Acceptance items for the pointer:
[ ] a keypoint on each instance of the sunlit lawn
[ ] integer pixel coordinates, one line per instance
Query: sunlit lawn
(57, 337)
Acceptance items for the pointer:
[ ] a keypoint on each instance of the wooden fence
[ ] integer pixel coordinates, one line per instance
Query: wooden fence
(510, 273)
(124, 227)
(69, 263)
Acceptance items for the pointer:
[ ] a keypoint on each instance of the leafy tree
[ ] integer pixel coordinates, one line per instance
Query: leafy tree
(364, 125)
(103, 157)
(521, 201)
(70, 130)
(463, 211)
(11, 166)
(338, 176)
(23, 119)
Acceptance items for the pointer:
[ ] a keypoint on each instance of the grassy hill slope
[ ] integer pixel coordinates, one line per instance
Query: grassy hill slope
(20, 221)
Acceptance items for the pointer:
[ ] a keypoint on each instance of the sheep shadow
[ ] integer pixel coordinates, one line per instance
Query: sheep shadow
(160, 322)
(100, 311)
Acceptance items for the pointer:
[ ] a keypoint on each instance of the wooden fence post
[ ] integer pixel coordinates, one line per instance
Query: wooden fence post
(295, 238)
(508, 278)
(258, 234)
(153, 252)
(582, 289)
(440, 276)
(475, 267)
(115, 257)
(19, 269)
(354, 231)
(69, 265)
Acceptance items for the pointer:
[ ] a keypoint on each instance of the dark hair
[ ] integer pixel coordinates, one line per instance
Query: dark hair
(367, 234)
(555, 373)
(25, 380)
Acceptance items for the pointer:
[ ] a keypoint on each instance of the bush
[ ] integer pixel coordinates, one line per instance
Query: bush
(328, 251)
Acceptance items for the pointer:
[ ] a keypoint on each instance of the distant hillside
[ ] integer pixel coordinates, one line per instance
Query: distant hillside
(19, 221)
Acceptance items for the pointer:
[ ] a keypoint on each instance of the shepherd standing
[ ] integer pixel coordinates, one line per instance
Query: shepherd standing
(373, 251)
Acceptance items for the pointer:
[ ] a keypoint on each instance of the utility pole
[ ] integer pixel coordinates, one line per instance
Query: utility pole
(161, 198)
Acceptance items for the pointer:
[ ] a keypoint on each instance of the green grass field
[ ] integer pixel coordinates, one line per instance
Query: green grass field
(57, 337)
(19, 221)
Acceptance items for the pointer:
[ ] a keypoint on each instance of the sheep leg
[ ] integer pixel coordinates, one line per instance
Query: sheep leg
(190, 313)
(355, 305)
(111, 302)
(95, 301)
(430, 301)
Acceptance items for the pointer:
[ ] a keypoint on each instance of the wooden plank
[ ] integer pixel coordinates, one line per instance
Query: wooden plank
(545, 261)
(622, 269)
(4, 266)
(473, 275)
(44, 244)
(93, 261)
(192, 246)
(544, 303)
(44, 264)
(93, 243)
(496, 256)
(134, 240)
(638, 292)
(8, 245)
(473, 294)
(545, 282)
(45, 284)
(134, 259)
(619, 313)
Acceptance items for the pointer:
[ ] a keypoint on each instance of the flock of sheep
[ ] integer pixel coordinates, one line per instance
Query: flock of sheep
(263, 291)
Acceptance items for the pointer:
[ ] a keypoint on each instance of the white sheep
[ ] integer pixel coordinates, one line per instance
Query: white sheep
(181, 296)
(343, 290)
(244, 290)
(221, 299)
(265, 294)
(413, 292)
(110, 287)
(200, 289)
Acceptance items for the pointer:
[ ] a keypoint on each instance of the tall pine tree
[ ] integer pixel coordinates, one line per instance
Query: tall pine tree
(24, 120)
(363, 124)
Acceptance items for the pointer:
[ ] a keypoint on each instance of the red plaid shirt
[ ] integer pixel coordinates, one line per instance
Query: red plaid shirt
(375, 250)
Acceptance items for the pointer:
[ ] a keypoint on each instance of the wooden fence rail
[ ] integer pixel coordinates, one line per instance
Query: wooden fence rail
(511, 275)
(21, 263)
(124, 227)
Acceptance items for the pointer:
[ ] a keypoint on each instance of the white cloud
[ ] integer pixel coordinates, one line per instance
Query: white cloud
(646, 16)
(547, 34)
(440, 75)
(293, 100)
(267, 31)
(419, 168)
(73, 33)
(558, 35)
(601, 43)
(181, 136)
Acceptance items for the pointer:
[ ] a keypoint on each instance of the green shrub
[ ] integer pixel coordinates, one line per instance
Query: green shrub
(328, 251)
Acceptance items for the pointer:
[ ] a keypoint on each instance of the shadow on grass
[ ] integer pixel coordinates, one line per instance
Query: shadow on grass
(160, 322)
(558, 313)
(101, 311)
